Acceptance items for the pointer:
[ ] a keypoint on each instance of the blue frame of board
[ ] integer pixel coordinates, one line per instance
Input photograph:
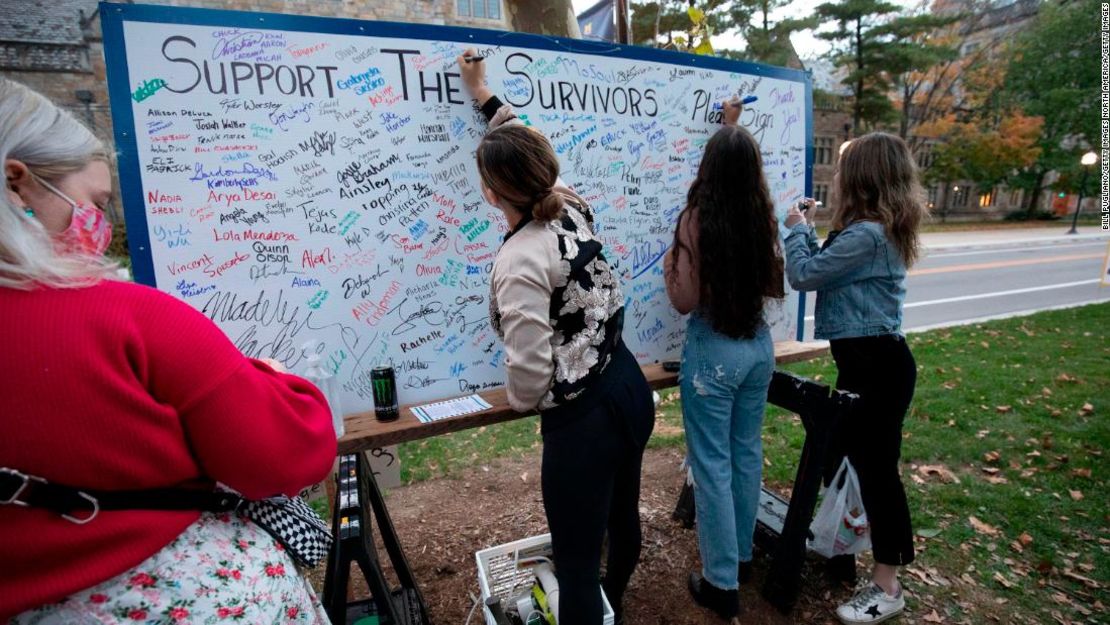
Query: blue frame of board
(113, 15)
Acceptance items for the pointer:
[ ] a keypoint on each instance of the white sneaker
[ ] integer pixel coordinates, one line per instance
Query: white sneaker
(871, 604)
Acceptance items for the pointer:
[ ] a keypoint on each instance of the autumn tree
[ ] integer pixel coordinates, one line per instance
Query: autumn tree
(1054, 74)
(958, 78)
(983, 149)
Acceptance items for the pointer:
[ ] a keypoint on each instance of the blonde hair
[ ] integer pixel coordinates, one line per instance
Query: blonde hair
(52, 144)
(879, 182)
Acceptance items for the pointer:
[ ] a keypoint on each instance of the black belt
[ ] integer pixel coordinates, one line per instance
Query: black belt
(82, 505)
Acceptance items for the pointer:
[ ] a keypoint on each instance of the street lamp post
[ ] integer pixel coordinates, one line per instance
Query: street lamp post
(1088, 159)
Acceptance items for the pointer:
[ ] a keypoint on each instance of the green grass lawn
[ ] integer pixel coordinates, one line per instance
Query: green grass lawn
(1008, 427)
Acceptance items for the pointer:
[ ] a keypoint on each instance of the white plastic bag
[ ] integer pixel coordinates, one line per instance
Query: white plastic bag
(840, 526)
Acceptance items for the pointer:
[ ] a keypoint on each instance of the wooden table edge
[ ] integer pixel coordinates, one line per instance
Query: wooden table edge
(365, 432)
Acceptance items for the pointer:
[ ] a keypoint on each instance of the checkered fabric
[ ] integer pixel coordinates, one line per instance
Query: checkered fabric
(295, 525)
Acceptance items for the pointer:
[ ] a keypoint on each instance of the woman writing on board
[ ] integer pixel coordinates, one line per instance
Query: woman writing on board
(111, 387)
(725, 263)
(860, 276)
(558, 308)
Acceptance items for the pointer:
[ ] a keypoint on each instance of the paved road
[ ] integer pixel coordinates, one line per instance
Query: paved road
(967, 277)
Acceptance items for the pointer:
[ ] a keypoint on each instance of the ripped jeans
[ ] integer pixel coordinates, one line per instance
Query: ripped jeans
(724, 391)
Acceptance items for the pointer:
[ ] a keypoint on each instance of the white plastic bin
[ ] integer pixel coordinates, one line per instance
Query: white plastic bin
(498, 575)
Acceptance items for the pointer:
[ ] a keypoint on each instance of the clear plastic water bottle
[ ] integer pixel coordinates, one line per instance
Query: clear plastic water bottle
(327, 383)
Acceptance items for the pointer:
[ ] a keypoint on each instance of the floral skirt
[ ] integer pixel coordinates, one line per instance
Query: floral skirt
(221, 569)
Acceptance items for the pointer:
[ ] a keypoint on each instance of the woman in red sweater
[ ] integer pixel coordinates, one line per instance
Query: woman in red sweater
(113, 386)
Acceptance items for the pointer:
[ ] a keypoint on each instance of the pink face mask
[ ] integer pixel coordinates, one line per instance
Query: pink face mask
(88, 233)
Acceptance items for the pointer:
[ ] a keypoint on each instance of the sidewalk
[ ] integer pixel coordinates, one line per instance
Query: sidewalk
(988, 238)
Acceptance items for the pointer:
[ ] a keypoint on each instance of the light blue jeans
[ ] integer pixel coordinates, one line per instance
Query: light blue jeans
(724, 391)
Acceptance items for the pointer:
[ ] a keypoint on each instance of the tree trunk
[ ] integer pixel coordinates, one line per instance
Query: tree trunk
(658, 17)
(858, 104)
(1035, 196)
(944, 206)
(904, 128)
(543, 17)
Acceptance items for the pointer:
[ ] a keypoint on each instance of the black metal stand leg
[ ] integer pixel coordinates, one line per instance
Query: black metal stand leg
(358, 503)
(389, 537)
(784, 580)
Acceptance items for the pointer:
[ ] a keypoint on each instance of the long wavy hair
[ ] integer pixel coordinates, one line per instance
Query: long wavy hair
(878, 181)
(52, 144)
(739, 253)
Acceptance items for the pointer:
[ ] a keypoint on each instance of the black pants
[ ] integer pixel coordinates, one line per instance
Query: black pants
(882, 371)
(592, 451)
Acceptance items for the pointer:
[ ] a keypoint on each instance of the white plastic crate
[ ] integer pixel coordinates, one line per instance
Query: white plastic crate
(498, 575)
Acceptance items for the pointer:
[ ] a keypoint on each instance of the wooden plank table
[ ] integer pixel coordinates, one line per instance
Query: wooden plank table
(365, 432)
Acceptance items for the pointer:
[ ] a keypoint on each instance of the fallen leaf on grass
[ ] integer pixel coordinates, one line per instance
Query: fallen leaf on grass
(931, 532)
(982, 433)
(1003, 409)
(1087, 409)
(992, 456)
(932, 617)
(1081, 473)
(1063, 377)
(997, 479)
(1001, 579)
(1025, 538)
(1076, 495)
(941, 471)
(981, 527)
(990, 470)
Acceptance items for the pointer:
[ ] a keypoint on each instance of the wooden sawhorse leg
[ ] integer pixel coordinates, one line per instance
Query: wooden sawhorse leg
(358, 502)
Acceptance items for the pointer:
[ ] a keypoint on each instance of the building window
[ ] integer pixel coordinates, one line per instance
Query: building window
(821, 193)
(1015, 197)
(925, 157)
(959, 197)
(986, 200)
(486, 9)
(822, 150)
(931, 192)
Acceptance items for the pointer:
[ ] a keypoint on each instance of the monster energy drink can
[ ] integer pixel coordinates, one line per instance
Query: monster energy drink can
(385, 394)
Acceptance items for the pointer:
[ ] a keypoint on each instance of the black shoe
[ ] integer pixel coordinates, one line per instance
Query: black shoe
(744, 573)
(726, 603)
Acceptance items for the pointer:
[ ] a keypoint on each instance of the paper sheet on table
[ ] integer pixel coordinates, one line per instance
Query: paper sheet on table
(450, 408)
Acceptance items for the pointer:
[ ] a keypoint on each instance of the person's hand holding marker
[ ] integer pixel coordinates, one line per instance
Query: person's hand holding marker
(732, 107)
(730, 110)
(473, 72)
(799, 212)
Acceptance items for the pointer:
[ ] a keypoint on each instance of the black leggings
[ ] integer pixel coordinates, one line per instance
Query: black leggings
(882, 371)
(591, 483)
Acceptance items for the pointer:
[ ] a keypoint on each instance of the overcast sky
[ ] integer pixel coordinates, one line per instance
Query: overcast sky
(807, 45)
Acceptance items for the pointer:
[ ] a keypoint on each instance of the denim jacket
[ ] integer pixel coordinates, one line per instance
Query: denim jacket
(859, 278)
